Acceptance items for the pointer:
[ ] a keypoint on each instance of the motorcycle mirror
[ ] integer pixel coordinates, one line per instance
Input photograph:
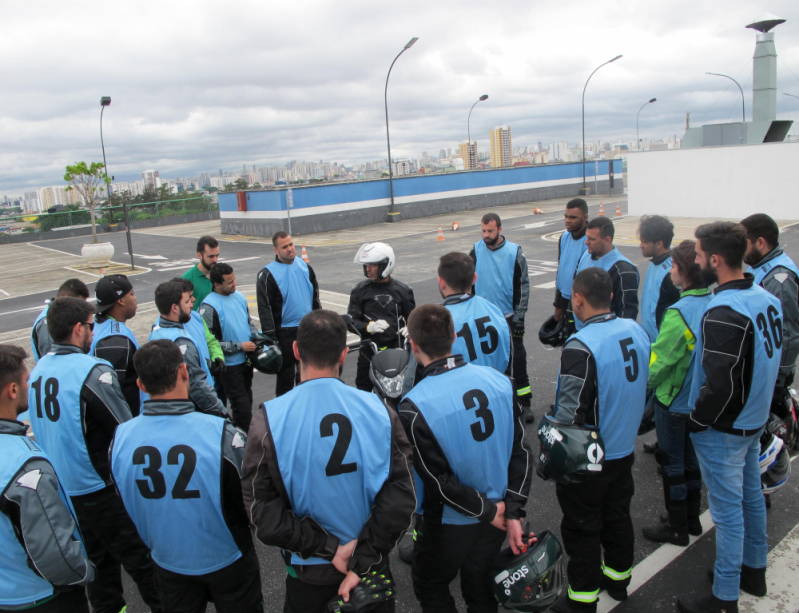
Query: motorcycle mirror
(347, 319)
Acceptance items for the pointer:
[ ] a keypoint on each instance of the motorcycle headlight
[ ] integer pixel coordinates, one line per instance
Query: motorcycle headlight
(391, 386)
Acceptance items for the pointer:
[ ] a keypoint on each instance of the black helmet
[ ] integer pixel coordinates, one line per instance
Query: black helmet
(553, 332)
(569, 454)
(532, 580)
(267, 358)
(648, 420)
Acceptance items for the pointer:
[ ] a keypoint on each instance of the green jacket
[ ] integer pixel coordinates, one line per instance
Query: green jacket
(671, 353)
(214, 349)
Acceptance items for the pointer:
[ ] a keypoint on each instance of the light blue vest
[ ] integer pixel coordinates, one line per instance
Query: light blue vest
(495, 274)
(763, 310)
(650, 295)
(483, 336)
(605, 263)
(54, 395)
(111, 327)
(621, 351)
(41, 316)
(19, 585)
(470, 412)
(167, 469)
(311, 426)
(781, 260)
(190, 332)
(294, 282)
(233, 319)
(570, 253)
(691, 309)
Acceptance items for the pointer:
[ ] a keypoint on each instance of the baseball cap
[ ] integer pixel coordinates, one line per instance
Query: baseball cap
(110, 289)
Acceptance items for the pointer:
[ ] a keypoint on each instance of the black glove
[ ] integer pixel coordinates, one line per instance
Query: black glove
(517, 329)
(373, 590)
(217, 367)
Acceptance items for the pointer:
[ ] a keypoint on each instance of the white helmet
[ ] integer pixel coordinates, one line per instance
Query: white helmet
(770, 447)
(376, 253)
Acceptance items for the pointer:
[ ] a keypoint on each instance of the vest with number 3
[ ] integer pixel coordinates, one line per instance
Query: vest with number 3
(168, 471)
(56, 418)
(482, 332)
(333, 448)
(470, 412)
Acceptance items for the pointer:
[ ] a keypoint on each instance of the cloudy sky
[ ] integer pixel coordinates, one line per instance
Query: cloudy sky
(202, 85)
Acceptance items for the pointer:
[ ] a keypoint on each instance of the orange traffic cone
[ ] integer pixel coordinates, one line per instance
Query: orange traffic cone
(618, 210)
(305, 255)
(537, 211)
(440, 235)
(601, 209)
(455, 226)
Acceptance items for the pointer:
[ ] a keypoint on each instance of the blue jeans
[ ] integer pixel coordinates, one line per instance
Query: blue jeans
(731, 470)
(682, 470)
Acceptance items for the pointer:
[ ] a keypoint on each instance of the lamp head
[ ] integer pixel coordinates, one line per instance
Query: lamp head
(484, 97)
(653, 100)
(615, 58)
(105, 101)
(411, 42)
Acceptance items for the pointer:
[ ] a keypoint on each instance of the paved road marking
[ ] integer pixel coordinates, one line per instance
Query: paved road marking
(4, 292)
(194, 262)
(783, 562)
(549, 285)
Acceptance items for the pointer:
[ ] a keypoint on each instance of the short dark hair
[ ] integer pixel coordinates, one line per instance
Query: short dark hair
(684, 256)
(595, 286)
(604, 225)
(761, 225)
(578, 203)
(167, 294)
(73, 288)
(219, 271)
(12, 365)
(278, 235)
(321, 337)
(63, 314)
(206, 241)
(157, 364)
(188, 286)
(724, 239)
(431, 328)
(654, 228)
(489, 217)
(457, 270)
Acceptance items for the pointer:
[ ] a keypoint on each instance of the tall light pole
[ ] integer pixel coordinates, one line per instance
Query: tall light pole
(392, 214)
(638, 136)
(792, 96)
(584, 189)
(469, 130)
(104, 102)
(743, 101)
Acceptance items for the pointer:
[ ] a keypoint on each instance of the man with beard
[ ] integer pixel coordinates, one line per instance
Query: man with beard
(227, 316)
(174, 305)
(502, 279)
(39, 530)
(659, 293)
(738, 352)
(571, 247)
(76, 406)
(40, 338)
(199, 274)
(776, 273)
(113, 341)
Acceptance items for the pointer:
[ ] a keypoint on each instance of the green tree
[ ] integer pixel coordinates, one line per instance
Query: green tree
(240, 184)
(229, 188)
(257, 186)
(89, 182)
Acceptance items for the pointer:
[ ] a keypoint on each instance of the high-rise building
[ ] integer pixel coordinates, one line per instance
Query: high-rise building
(151, 178)
(501, 147)
(468, 152)
(401, 167)
(57, 194)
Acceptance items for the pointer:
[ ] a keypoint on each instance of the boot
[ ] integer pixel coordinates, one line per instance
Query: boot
(753, 580)
(527, 413)
(615, 591)
(407, 550)
(694, 501)
(650, 447)
(564, 604)
(675, 531)
(707, 604)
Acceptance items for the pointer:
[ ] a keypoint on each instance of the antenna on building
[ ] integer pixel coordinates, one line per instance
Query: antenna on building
(688, 120)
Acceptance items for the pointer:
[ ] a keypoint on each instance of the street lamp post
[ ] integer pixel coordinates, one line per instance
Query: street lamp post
(584, 189)
(469, 131)
(392, 214)
(104, 102)
(743, 101)
(637, 135)
(792, 96)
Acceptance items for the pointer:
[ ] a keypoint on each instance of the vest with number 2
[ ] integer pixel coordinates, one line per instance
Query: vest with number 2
(333, 448)
(495, 274)
(168, 471)
(469, 409)
(234, 321)
(482, 332)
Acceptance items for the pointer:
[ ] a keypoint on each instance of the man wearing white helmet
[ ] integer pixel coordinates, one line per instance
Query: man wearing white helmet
(379, 306)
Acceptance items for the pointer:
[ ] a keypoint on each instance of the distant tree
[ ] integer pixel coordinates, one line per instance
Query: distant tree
(164, 192)
(89, 182)
(240, 184)
(257, 186)
(229, 188)
(211, 190)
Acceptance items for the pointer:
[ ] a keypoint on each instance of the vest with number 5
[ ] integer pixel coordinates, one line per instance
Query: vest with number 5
(470, 412)
(167, 469)
(333, 448)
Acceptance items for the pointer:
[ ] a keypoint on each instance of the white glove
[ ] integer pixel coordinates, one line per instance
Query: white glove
(376, 327)
(404, 331)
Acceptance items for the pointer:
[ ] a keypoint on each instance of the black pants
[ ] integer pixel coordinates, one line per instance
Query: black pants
(237, 381)
(520, 377)
(305, 597)
(289, 374)
(596, 516)
(233, 589)
(68, 601)
(111, 541)
(362, 380)
(444, 550)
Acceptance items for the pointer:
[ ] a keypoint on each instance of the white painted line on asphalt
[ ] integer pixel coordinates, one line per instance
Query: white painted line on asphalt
(780, 576)
(50, 249)
(36, 308)
(5, 292)
(550, 285)
(83, 272)
(540, 272)
(343, 306)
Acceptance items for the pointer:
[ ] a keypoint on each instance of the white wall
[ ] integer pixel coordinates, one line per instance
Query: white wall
(722, 182)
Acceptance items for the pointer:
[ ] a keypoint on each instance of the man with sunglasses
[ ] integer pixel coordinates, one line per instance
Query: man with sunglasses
(76, 404)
